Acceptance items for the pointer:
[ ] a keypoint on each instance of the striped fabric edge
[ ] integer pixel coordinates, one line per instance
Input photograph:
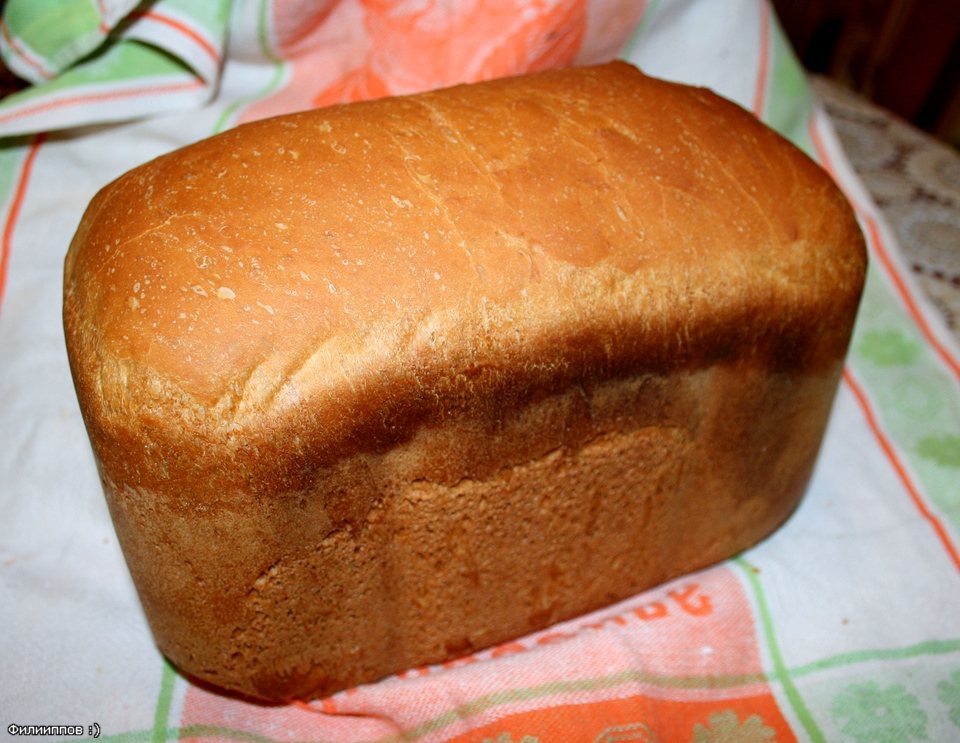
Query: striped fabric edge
(51, 55)
(114, 102)
(21, 59)
(46, 68)
(156, 91)
(178, 35)
(14, 201)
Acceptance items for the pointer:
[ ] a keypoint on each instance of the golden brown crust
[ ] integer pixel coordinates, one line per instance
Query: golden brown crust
(285, 335)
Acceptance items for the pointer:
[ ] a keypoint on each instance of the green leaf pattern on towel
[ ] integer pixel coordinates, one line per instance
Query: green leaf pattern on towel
(948, 691)
(888, 348)
(912, 391)
(869, 713)
(944, 450)
(725, 727)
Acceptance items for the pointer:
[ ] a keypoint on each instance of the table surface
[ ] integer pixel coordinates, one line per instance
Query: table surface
(915, 181)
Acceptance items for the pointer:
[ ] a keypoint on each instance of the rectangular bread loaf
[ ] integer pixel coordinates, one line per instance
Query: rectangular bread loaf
(373, 386)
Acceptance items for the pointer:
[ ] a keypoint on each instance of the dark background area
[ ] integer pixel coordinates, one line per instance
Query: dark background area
(903, 55)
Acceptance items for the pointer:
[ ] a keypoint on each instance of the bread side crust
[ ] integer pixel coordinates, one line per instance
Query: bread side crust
(372, 571)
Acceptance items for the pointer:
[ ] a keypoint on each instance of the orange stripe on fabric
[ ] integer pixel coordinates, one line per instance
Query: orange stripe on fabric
(883, 255)
(183, 28)
(763, 72)
(14, 213)
(902, 474)
(102, 12)
(80, 99)
(24, 53)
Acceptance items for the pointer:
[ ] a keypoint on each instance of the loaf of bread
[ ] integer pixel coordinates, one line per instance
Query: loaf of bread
(378, 385)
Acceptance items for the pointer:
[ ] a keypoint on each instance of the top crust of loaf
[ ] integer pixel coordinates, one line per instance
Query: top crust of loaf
(321, 284)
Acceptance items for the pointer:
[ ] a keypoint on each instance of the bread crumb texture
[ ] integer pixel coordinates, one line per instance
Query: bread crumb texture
(380, 384)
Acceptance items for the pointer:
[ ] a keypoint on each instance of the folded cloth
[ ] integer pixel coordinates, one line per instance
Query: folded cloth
(117, 60)
(109, 60)
(843, 626)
